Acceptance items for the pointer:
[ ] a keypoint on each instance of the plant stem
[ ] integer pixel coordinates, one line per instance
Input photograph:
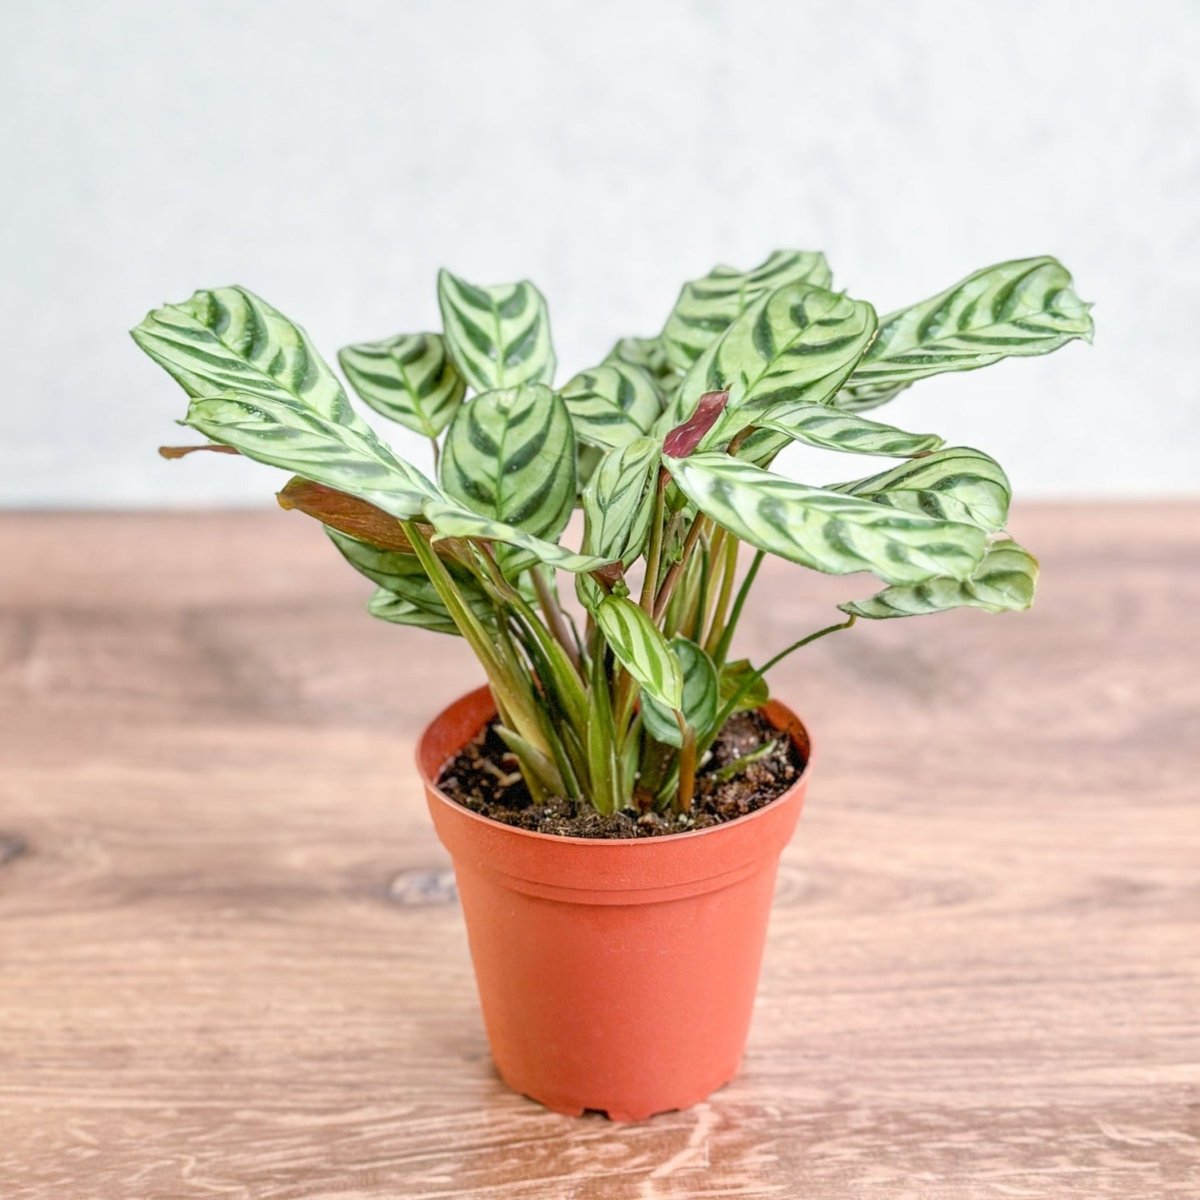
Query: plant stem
(750, 680)
(654, 552)
(722, 648)
(554, 615)
(436, 453)
(687, 766)
(729, 547)
(505, 680)
(668, 586)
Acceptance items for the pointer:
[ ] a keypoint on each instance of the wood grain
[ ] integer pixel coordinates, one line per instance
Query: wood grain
(231, 964)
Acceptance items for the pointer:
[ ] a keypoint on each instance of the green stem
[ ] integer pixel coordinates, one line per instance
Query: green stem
(554, 615)
(716, 626)
(731, 704)
(504, 678)
(722, 650)
(668, 586)
(654, 552)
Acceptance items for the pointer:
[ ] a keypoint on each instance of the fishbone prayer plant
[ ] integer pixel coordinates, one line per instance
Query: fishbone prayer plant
(666, 447)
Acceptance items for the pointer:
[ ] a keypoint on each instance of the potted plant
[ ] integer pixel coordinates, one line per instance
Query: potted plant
(616, 798)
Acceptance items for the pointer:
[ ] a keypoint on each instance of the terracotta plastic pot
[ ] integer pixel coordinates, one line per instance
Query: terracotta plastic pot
(614, 975)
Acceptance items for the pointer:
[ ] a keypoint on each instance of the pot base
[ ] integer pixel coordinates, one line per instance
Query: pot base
(620, 1111)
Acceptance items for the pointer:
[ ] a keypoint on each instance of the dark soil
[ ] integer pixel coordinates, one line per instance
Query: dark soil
(484, 778)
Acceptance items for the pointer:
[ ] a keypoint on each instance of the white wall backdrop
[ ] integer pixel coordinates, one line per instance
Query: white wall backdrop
(331, 155)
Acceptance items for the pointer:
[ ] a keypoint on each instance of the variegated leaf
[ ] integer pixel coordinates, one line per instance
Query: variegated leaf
(1003, 582)
(408, 378)
(826, 427)
(510, 455)
(498, 336)
(700, 696)
(612, 404)
(957, 483)
(402, 575)
(389, 607)
(859, 398)
(230, 340)
(454, 521)
(284, 434)
(1014, 308)
(649, 354)
(641, 649)
(707, 307)
(619, 500)
(586, 461)
(825, 530)
(799, 343)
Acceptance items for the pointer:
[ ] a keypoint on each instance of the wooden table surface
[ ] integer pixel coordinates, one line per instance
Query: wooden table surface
(231, 963)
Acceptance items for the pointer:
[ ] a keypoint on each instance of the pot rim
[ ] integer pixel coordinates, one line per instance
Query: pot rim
(772, 709)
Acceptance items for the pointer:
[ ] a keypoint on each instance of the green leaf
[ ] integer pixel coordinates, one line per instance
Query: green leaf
(498, 336)
(641, 649)
(957, 483)
(586, 461)
(389, 607)
(402, 575)
(825, 530)
(734, 676)
(826, 427)
(408, 378)
(618, 502)
(799, 343)
(510, 455)
(230, 340)
(612, 404)
(1003, 582)
(1014, 308)
(284, 434)
(649, 354)
(451, 520)
(863, 397)
(700, 696)
(707, 307)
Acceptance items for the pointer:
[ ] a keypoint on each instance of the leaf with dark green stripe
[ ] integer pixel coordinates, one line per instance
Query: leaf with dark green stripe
(641, 649)
(230, 340)
(282, 433)
(859, 398)
(454, 521)
(387, 606)
(649, 354)
(619, 500)
(828, 428)
(1014, 308)
(510, 454)
(1004, 582)
(612, 404)
(409, 379)
(402, 575)
(825, 530)
(799, 343)
(707, 307)
(498, 336)
(700, 696)
(957, 483)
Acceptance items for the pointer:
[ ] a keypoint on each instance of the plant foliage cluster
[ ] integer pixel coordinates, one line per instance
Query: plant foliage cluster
(666, 446)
